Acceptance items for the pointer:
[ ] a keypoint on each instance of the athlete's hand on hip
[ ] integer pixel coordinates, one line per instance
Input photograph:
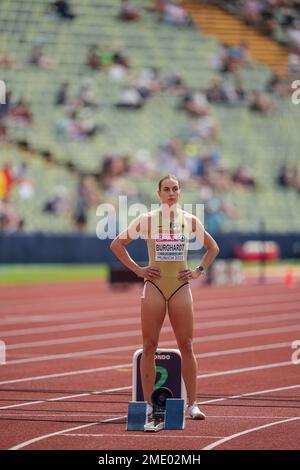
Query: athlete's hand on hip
(188, 274)
(148, 272)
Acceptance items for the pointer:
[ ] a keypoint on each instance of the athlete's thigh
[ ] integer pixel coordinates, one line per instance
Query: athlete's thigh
(153, 311)
(180, 308)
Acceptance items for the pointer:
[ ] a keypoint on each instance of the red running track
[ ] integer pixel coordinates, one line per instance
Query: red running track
(67, 379)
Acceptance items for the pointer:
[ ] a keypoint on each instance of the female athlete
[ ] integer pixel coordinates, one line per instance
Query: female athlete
(167, 231)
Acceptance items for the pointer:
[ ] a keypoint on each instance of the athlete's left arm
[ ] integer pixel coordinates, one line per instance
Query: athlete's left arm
(212, 251)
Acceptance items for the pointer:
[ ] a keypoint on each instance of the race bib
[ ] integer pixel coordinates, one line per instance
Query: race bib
(170, 247)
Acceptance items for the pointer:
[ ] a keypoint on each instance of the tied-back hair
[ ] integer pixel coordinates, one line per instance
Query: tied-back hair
(168, 177)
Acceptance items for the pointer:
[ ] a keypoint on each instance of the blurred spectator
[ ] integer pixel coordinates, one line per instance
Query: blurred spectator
(279, 85)
(175, 14)
(6, 107)
(294, 64)
(6, 60)
(93, 58)
(128, 12)
(204, 127)
(22, 178)
(61, 97)
(20, 113)
(81, 205)
(9, 218)
(3, 131)
(130, 99)
(288, 177)
(87, 93)
(62, 9)
(261, 103)
(243, 177)
(293, 34)
(37, 57)
(222, 91)
(173, 84)
(7, 172)
(77, 125)
(59, 203)
(195, 104)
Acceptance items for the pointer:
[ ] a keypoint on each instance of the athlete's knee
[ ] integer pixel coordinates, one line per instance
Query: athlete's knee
(149, 346)
(186, 346)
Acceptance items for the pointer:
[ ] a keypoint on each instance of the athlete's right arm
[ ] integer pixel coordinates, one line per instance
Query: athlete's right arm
(118, 248)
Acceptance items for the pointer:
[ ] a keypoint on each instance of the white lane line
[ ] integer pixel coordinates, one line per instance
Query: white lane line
(205, 339)
(118, 334)
(66, 397)
(58, 433)
(71, 414)
(248, 431)
(247, 369)
(198, 356)
(46, 436)
(131, 333)
(115, 311)
(64, 301)
(248, 394)
(201, 376)
(224, 312)
(143, 435)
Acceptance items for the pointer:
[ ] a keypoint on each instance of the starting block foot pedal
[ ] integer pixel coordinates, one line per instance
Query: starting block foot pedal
(174, 414)
(137, 415)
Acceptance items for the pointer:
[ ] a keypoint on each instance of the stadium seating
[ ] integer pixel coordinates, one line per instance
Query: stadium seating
(263, 143)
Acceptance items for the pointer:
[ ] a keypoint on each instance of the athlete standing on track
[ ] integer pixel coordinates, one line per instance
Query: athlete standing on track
(167, 277)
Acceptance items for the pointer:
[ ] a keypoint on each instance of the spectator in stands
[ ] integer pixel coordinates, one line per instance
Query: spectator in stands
(252, 11)
(173, 84)
(225, 92)
(288, 177)
(93, 58)
(279, 85)
(62, 9)
(204, 127)
(9, 218)
(59, 203)
(38, 58)
(195, 103)
(261, 103)
(293, 34)
(243, 177)
(130, 99)
(6, 60)
(119, 57)
(86, 93)
(7, 173)
(3, 130)
(61, 97)
(175, 14)
(23, 180)
(20, 113)
(81, 205)
(294, 63)
(6, 107)
(128, 12)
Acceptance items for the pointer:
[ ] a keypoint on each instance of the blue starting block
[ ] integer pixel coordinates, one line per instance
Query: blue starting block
(174, 418)
(137, 415)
